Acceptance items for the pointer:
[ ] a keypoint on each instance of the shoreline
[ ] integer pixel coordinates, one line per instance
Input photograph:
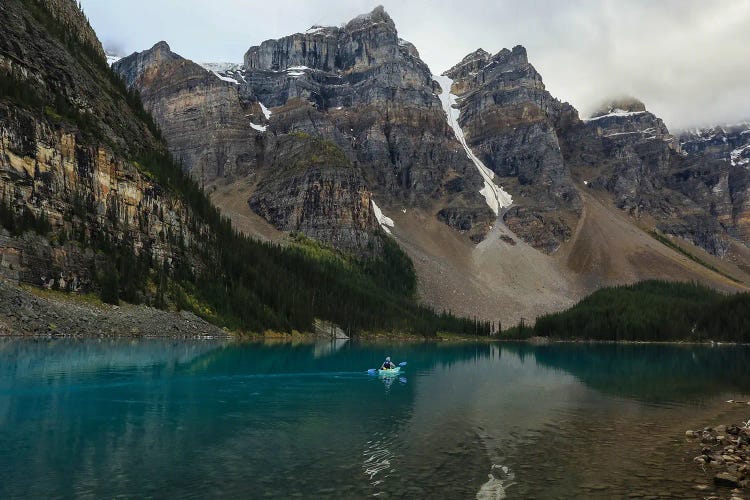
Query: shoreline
(28, 312)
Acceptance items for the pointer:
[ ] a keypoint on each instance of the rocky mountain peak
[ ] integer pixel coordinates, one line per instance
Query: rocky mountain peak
(472, 62)
(517, 56)
(132, 66)
(378, 15)
(366, 40)
(161, 50)
(730, 143)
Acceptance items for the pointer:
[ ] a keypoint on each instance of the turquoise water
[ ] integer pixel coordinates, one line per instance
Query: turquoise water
(101, 419)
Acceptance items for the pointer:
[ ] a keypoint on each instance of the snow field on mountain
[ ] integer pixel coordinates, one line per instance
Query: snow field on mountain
(494, 195)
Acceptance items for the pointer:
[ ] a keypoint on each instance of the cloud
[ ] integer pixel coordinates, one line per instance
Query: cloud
(686, 59)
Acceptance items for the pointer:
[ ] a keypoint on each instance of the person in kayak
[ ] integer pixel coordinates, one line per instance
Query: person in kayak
(387, 365)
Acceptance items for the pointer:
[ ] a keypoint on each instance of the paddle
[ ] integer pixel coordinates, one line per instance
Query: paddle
(373, 371)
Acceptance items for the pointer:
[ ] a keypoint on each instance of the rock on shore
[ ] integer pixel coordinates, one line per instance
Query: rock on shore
(23, 313)
(725, 450)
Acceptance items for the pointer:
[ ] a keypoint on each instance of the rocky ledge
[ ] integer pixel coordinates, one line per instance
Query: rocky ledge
(51, 314)
(725, 449)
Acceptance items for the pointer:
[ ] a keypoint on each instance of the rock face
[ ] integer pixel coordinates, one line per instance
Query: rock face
(316, 190)
(73, 19)
(303, 183)
(208, 128)
(728, 142)
(368, 91)
(358, 86)
(70, 163)
(714, 173)
(627, 151)
(512, 123)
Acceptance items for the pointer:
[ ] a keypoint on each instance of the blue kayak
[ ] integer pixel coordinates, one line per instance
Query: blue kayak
(389, 372)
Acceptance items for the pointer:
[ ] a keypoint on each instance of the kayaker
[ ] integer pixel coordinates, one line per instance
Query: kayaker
(387, 365)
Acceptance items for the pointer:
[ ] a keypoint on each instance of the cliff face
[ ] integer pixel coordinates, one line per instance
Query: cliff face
(627, 151)
(207, 126)
(359, 87)
(713, 172)
(69, 163)
(316, 190)
(512, 123)
(219, 131)
(369, 92)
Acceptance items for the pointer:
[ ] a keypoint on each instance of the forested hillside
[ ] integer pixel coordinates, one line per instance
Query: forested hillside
(650, 311)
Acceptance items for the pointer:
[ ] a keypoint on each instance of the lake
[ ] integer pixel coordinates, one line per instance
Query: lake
(181, 419)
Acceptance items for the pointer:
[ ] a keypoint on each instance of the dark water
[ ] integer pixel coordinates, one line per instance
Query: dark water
(102, 419)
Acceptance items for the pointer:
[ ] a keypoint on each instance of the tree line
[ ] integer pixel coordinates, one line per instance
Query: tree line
(649, 311)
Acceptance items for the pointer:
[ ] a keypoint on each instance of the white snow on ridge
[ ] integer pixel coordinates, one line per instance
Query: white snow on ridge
(615, 112)
(112, 59)
(220, 67)
(316, 29)
(259, 128)
(225, 78)
(385, 222)
(495, 196)
(735, 157)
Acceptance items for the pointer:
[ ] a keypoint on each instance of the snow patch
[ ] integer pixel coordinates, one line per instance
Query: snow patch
(494, 195)
(615, 112)
(385, 222)
(111, 59)
(225, 78)
(621, 133)
(735, 157)
(266, 112)
(259, 128)
(220, 67)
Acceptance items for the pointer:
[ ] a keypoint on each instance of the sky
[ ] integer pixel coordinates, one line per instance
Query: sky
(687, 60)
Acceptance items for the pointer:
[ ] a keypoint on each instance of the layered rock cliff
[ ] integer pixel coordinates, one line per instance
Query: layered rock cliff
(316, 190)
(208, 128)
(358, 86)
(377, 100)
(68, 140)
(629, 152)
(219, 131)
(512, 123)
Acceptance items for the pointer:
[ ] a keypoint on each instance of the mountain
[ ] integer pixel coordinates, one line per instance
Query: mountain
(723, 142)
(93, 202)
(512, 122)
(359, 88)
(507, 202)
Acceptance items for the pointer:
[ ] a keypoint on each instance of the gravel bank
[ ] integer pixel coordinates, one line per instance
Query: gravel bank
(23, 313)
(725, 451)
